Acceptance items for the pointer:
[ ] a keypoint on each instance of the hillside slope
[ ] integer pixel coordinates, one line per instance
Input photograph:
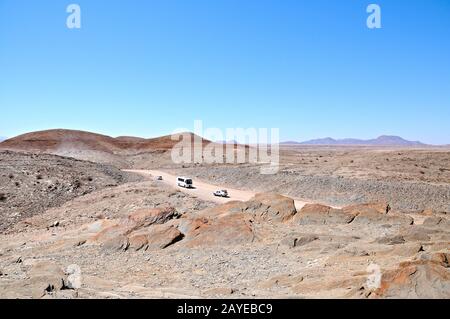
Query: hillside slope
(61, 139)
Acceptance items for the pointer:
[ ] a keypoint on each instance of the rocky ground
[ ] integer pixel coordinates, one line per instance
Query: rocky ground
(146, 240)
(31, 183)
(410, 179)
(117, 235)
(331, 189)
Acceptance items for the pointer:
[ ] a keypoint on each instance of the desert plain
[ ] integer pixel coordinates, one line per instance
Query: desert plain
(83, 215)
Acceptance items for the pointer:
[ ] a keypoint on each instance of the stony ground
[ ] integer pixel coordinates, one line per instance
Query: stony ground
(130, 242)
(411, 179)
(30, 183)
(333, 190)
(130, 238)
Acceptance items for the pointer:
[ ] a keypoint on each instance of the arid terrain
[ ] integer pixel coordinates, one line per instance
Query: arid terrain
(83, 215)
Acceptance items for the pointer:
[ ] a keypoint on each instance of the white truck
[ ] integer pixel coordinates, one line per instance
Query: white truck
(221, 193)
(185, 182)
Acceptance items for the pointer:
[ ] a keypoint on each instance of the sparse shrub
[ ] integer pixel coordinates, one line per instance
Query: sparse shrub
(2, 197)
(11, 176)
(38, 176)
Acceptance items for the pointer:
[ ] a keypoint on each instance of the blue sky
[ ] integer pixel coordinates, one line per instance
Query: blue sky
(144, 68)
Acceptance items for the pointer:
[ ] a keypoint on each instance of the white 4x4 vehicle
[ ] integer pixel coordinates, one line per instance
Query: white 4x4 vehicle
(185, 182)
(221, 193)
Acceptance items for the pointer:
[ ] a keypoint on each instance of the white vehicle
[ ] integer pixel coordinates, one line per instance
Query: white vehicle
(185, 182)
(221, 193)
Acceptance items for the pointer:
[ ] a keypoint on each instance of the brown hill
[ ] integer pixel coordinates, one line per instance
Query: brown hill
(53, 140)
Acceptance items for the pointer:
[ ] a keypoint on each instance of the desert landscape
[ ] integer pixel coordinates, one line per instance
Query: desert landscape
(84, 215)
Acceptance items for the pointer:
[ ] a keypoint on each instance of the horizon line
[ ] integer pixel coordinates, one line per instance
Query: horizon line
(285, 142)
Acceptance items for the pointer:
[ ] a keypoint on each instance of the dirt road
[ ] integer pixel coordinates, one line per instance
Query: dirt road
(205, 190)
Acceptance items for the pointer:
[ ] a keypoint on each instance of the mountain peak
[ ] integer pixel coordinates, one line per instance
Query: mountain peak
(383, 140)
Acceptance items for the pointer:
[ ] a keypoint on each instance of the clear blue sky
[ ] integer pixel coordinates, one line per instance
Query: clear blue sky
(311, 68)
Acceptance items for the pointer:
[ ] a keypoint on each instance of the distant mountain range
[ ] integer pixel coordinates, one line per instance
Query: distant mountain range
(2, 138)
(384, 140)
(60, 138)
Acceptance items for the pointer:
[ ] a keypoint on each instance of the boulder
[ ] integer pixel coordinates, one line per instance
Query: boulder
(163, 236)
(370, 216)
(116, 243)
(138, 241)
(150, 216)
(45, 277)
(377, 213)
(73, 280)
(315, 214)
(142, 229)
(231, 229)
(271, 207)
(416, 279)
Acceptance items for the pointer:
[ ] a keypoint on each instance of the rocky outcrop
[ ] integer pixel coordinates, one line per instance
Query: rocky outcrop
(156, 237)
(232, 223)
(271, 207)
(315, 214)
(142, 229)
(377, 213)
(373, 213)
(46, 277)
(230, 229)
(416, 279)
(147, 217)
